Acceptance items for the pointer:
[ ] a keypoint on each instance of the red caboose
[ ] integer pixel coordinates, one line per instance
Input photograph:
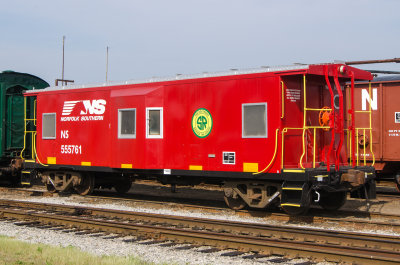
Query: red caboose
(269, 135)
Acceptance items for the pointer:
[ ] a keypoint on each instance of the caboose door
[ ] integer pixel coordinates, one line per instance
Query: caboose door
(14, 129)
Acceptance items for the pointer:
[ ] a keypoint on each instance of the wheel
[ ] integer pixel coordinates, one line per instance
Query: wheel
(397, 180)
(87, 185)
(233, 202)
(15, 180)
(50, 188)
(123, 186)
(332, 200)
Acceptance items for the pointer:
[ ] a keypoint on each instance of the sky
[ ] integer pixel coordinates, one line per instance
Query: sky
(158, 38)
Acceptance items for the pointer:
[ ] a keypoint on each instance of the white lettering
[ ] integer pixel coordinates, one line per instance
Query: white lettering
(73, 118)
(64, 134)
(372, 101)
(71, 149)
(97, 107)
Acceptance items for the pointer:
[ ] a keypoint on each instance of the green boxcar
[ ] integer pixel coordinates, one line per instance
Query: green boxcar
(12, 129)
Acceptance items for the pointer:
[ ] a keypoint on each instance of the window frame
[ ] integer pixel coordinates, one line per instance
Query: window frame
(126, 136)
(266, 120)
(55, 126)
(153, 136)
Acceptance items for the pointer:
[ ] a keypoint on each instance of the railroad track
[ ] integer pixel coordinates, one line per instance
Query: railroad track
(355, 220)
(291, 242)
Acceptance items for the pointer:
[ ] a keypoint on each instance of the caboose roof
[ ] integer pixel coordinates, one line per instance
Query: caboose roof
(233, 72)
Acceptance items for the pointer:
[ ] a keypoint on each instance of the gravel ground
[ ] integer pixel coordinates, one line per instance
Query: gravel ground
(117, 246)
(152, 253)
(80, 201)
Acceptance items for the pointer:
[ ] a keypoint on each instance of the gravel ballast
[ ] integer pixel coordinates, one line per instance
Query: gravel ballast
(106, 245)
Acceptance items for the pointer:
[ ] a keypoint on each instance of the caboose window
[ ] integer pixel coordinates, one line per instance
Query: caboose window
(254, 120)
(127, 123)
(49, 126)
(154, 123)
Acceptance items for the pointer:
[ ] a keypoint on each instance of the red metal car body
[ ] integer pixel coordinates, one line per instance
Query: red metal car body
(268, 125)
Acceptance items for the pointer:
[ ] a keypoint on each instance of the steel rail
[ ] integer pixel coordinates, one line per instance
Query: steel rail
(261, 244)
(283, 232)
(206, 223)
(315, 216)
(277, 231)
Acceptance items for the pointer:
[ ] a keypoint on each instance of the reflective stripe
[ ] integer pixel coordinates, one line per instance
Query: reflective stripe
(51, 160)
(250, 167)
(192, 167)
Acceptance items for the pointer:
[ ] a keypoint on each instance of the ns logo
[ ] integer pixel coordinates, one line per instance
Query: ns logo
(91, 107)
(97, 107)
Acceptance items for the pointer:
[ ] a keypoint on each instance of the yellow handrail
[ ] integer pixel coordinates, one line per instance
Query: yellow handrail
(315, 133)
(305, 127)
(273, 157)
(283, 136)
(23, 149)
(370, 126)
(318, 109)
(33, 133)
(304, 149)
(365, 162)
(369, 111)
(36, 156)
(358, 156)
(349, 134)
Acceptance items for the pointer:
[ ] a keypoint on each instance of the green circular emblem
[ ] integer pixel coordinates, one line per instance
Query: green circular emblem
(202, 123)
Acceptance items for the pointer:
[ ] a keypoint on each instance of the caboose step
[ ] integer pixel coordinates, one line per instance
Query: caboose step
(290, 204)
(295, 194)
(292, 188)
(26, 177)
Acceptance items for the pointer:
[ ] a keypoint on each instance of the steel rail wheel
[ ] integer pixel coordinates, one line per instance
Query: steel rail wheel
(302, 210)
(51, 188)
(123, 185)
(86, 186)
(332, 200)
(233, 200)
(397, 180)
